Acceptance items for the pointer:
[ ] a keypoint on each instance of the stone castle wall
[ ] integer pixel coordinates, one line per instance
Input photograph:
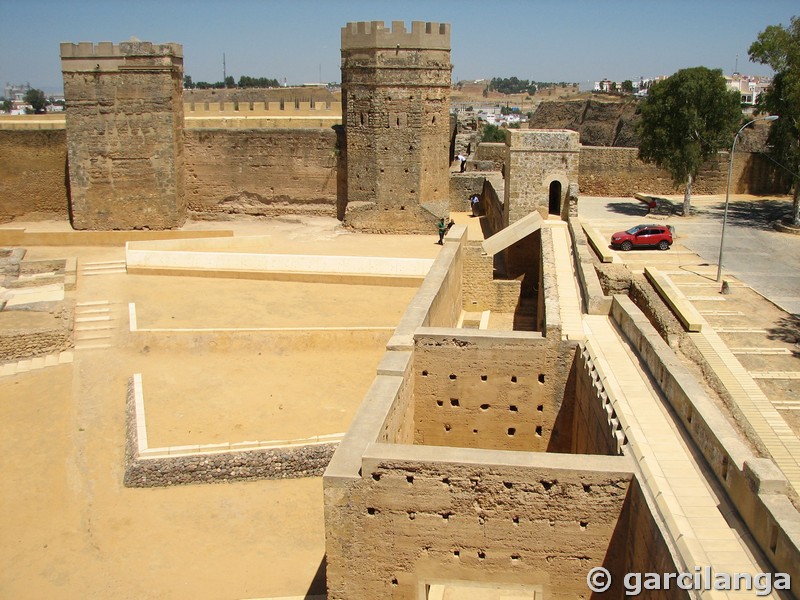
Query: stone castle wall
(124, 134)
(263, 171)
(607, 171)
(33, 174)
(396, 108)
(515, 405)
(284, 170)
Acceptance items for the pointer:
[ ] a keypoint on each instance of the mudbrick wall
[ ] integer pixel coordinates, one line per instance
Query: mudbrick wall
(544, 520)
(515, 405)
(607, 171)
(272, 463)
(275, 171)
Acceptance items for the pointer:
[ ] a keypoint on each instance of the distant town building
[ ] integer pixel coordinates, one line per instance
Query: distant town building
(749, 87)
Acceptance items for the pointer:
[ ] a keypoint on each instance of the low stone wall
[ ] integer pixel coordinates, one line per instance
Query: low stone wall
(268, 463)
(18, 344)
(22, 344)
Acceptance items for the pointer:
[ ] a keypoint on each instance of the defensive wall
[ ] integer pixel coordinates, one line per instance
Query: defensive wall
(489, 458)
(271, 166)
(437, 469)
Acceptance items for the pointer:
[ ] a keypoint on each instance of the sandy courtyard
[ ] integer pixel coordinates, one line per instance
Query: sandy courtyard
(71, 530)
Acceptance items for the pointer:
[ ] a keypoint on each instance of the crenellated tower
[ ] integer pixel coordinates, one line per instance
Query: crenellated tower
(124, 134)
(396, 110)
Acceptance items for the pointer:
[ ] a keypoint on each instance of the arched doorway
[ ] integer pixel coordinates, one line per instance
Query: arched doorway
(555, 198)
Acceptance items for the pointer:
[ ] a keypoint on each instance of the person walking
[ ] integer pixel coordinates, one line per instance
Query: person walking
(442, 230)
(474, 200)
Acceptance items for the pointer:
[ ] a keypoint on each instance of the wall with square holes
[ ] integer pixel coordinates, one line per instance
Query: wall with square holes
(484, 390)
(421, 515)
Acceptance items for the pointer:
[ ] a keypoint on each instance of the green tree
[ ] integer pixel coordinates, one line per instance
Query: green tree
(779, 47)
(627, 86)
(686, 119)
(492, 133)
(36, 99)
(6, 106)
(230, 82)
(187, 82)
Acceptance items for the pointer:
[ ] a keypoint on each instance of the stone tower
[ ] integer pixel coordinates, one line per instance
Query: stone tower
(396, 110)
(542, 174)
(124, 134)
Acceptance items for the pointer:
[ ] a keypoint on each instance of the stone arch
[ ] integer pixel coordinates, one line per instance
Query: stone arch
(556, 187)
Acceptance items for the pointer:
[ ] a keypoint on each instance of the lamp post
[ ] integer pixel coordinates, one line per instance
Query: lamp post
(728, 190)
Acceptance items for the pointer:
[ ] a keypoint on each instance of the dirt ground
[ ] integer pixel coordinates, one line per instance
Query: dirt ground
(71, 530)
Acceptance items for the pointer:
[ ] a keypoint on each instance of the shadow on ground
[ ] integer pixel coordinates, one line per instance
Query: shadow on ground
(759, 214)
(787, 330)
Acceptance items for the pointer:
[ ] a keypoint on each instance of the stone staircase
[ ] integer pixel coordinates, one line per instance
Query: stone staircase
(108, 267)
(33, 364)
(94, 324)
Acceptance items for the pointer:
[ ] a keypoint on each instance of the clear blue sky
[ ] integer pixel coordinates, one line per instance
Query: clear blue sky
(554, 40)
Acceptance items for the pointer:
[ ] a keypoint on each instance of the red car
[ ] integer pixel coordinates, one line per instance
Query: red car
(642, 236)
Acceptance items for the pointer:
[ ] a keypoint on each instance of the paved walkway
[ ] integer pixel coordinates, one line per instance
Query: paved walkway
(569, 299)
(749, 342)
(689, 509)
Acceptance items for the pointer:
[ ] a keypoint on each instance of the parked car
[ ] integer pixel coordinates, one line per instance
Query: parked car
(643, 236)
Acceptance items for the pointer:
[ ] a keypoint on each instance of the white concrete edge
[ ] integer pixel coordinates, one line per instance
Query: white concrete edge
(290, 263)
(248, 446)
(132, 316)
(141, 423)
(261, 329)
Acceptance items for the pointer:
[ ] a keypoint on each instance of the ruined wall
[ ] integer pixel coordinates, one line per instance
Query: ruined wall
(396, 109)
(33, 176)
(124, 134)
(481, 516)
(262, 171)
(217, 467)
(514, 405)
(535, 159)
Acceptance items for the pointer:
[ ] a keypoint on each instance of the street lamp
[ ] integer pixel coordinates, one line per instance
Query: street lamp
(728, 190)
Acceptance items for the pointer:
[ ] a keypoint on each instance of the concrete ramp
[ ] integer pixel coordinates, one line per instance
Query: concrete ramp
(513, 233)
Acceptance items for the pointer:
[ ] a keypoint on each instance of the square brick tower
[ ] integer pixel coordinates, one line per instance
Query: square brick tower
(396, 110)
(124, 134)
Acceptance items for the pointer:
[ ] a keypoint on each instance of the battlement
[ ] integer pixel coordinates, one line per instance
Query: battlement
(375, 34)
(107, 56)
(261, 115)
(261, 109)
